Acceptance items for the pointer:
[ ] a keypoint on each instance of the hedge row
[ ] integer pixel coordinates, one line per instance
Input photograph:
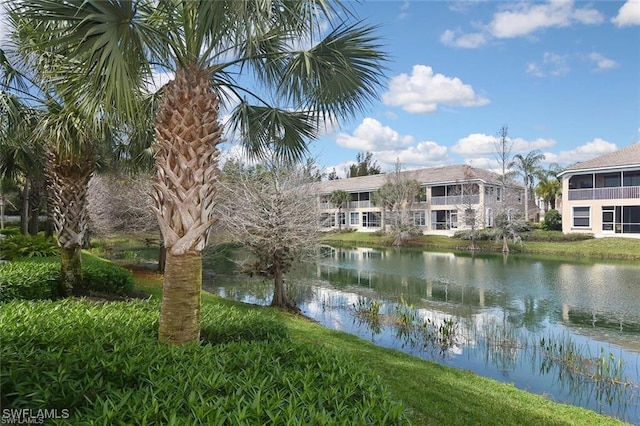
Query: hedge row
(37, 278)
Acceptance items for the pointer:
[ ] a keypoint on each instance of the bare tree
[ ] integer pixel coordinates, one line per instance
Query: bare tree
(505, 214)
(121, 203)
(469, 193)
(272, 211)
(398, 195)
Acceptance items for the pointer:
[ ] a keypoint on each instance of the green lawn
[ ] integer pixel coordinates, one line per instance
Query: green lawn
(433, 394)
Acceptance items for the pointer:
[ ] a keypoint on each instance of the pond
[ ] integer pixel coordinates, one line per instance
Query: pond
(567, 329)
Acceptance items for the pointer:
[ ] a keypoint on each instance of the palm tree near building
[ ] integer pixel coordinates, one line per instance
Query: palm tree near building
(340, 199)
(211, 47)
(527, 167)
(549, 188)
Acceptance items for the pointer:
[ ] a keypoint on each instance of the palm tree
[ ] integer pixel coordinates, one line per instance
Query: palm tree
(212, 46)
(340, 199)
(527, 167)
(549, 187)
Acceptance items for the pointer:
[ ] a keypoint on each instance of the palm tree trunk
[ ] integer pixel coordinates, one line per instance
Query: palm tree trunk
(181, 289)
(24, 215)
(187, 133)
(35, 198)
(70, 271)
(69, 181)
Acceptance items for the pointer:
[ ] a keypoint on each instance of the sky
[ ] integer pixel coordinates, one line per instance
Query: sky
(563, 76)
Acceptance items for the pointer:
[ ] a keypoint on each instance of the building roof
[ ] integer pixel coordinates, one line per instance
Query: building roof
(628, 156)
(431, 176)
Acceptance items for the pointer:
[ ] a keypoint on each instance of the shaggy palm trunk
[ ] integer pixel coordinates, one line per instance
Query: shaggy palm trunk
(505, 244)
(69, 182)
(187, 133)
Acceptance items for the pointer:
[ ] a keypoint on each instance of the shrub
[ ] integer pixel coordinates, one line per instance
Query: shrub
(21, 246)
(114, 371)
(10, 231)
(37, 278)
(29, 280)
(552, 221)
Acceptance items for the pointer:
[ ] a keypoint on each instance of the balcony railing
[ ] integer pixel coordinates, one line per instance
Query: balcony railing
(605, 193)
(455, 199)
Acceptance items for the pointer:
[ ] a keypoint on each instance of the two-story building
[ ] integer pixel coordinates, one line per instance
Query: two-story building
(449, 196)
(602, 195)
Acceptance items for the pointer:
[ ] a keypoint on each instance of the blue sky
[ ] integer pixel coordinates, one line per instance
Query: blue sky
(564, 76)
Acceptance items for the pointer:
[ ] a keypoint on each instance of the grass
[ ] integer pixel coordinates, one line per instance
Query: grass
(432, 393)
(602, 248)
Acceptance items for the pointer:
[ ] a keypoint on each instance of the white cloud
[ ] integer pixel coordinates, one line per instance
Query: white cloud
(519, 19)
(468, 41)
(478, 145)
(424, 154)
(371, 135)
(423, 91)
(584, 152)
(602, 63)
(629, 14)
(552, 64)
(404, 7)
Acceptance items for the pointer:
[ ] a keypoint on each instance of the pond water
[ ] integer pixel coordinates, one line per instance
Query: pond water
(567, 329)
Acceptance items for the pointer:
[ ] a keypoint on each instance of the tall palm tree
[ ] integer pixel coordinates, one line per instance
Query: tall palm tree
(212, 47)
(527, 167)
(68, 137)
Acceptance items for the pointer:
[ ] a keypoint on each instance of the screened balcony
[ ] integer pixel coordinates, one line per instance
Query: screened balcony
(605, 186)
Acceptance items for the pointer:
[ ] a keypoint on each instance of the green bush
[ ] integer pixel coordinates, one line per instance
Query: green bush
(21, 246)
(29, 280)
(554, 236)
(37, 278)
(552, 221)
(10, 231)
(114, 371)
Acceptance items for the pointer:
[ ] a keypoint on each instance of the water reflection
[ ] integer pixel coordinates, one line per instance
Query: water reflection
(498, 317)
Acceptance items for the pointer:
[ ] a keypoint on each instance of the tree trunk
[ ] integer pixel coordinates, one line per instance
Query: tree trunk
(24, 215)
(553, 203)
(187, 133)
(181, 288)
(70, 271)
(505, 245)
(162, 257)
(280, 298)
(69, 182)
(339, 220)
(35, 199)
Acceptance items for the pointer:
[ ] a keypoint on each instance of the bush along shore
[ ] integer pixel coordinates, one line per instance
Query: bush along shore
(536, 241)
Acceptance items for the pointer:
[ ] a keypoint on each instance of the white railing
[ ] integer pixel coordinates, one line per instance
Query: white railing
(605, 193)
(455, 199)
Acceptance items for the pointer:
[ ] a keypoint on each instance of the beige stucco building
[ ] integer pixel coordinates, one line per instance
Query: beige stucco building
(602, 195)
(448, 196)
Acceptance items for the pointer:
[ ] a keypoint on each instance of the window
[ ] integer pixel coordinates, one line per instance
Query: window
(419, 218)
(489, 216)
(342, 218)
(470, 217)
(581, 217)
(611, 180)
(631, 179)
(354, 218)
(371, 219)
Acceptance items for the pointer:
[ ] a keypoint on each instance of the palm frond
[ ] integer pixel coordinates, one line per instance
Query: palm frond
(268, 130)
